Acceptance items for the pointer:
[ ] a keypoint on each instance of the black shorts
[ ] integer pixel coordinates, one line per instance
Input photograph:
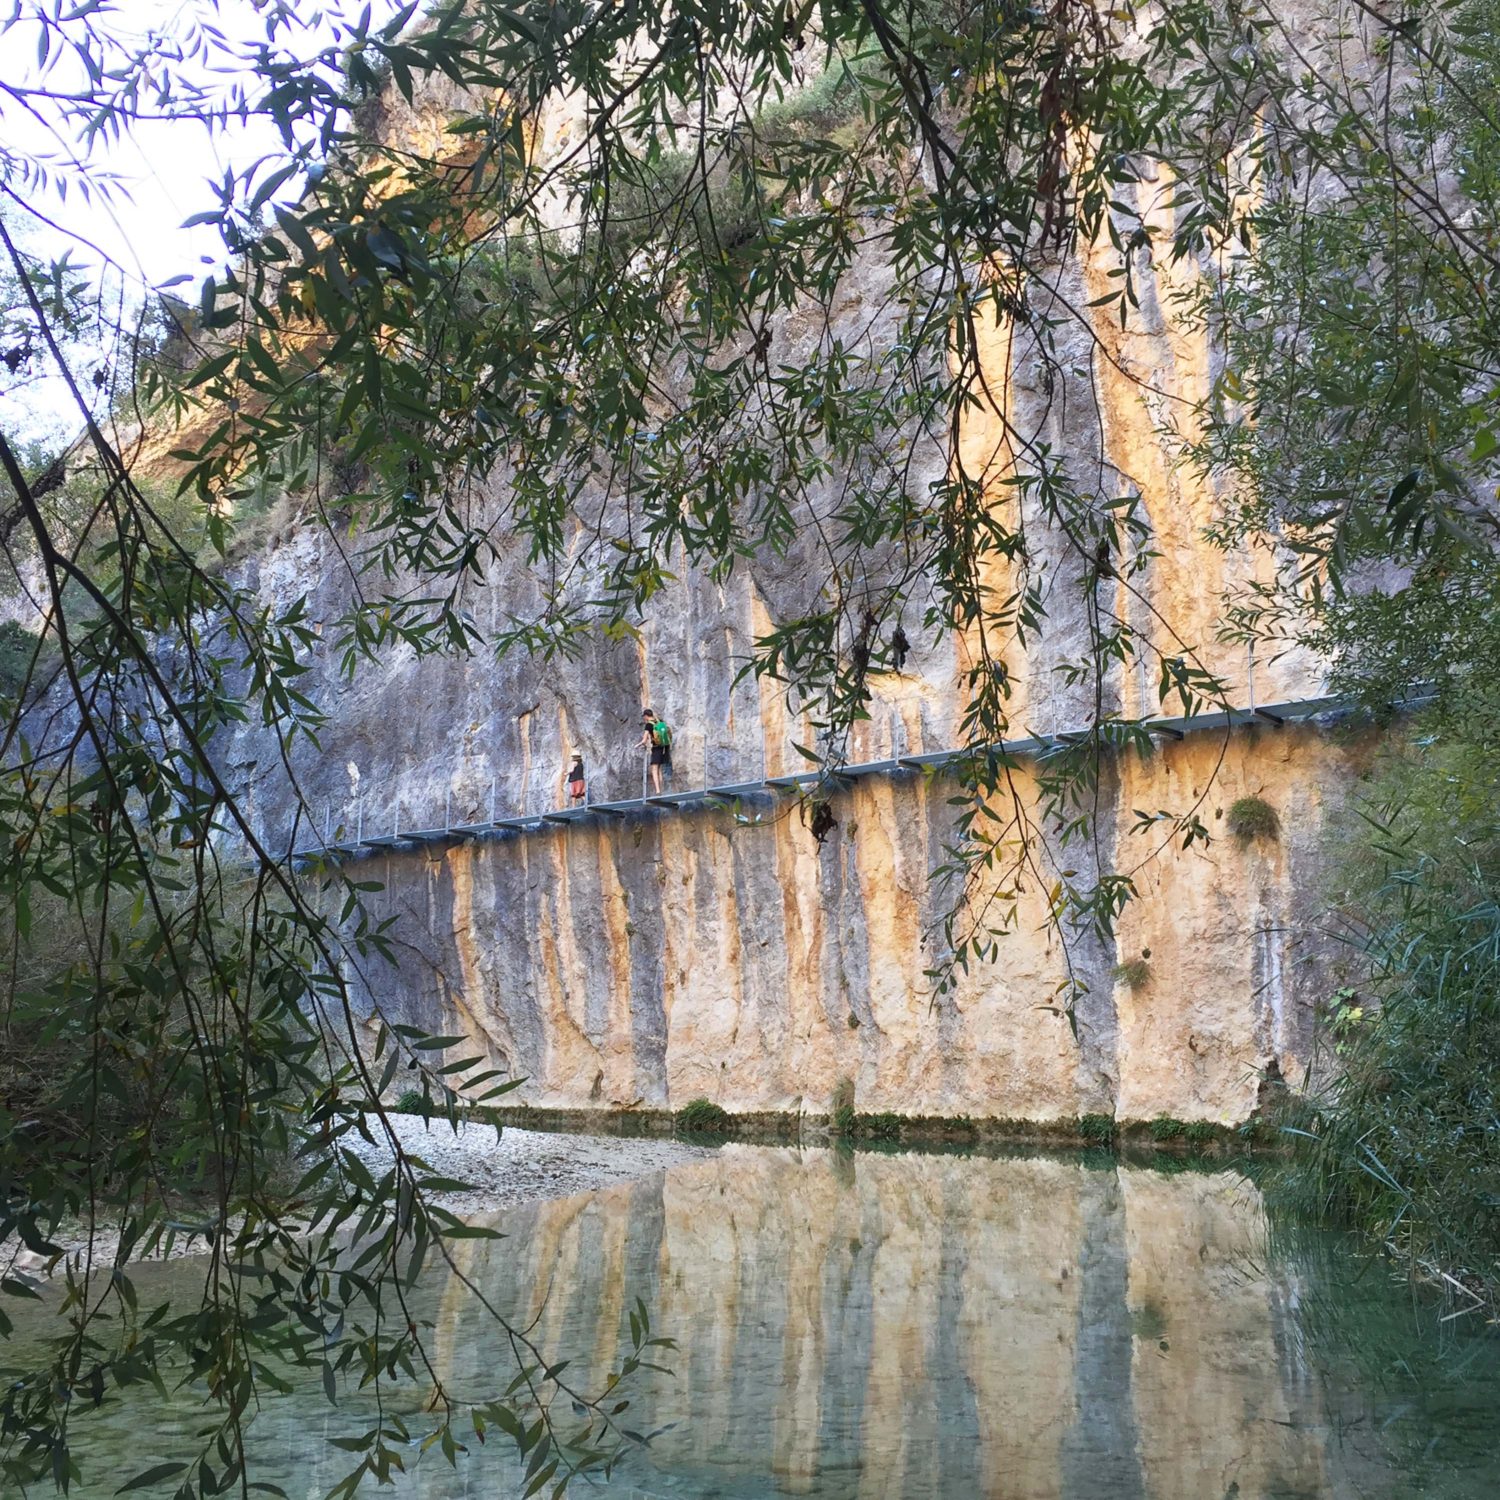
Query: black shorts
(661, 755)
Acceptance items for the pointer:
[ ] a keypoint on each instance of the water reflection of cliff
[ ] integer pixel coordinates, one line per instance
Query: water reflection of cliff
(915, 1328)
(926, 1326)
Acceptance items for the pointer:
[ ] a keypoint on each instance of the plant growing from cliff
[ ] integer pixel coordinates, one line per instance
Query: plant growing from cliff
(1096, 1129)
(1133, 973)
(704, 1117)
(1251, 818)
(883, 1126)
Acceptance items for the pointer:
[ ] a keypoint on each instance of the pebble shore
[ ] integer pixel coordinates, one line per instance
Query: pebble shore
(523, 1165)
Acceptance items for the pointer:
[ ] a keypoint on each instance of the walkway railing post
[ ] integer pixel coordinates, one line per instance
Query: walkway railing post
(492, 799)
(359, 817)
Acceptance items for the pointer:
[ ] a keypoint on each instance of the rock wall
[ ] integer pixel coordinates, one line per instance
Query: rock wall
(669, 955)
(649, 960)
(677, 954)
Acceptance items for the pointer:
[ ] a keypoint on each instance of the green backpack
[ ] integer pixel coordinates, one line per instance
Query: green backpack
(661, 735)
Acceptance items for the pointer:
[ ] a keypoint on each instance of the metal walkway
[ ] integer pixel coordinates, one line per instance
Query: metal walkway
(1110, 733)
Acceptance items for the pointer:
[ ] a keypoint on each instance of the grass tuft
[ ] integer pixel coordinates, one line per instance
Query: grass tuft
(1251, 818)
(879, 1127)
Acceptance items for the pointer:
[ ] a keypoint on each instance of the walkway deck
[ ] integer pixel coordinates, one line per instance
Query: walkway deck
(1031, 747)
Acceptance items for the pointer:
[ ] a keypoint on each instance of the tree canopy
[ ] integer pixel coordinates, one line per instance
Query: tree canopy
(568, 293)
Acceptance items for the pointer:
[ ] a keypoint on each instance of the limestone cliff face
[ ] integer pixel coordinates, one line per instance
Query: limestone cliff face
(665, 955)
(677, 954)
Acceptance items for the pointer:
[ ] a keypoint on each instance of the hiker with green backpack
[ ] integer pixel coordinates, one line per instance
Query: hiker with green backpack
(657, 739)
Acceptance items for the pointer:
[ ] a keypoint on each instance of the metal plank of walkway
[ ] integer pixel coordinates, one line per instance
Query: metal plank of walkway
(1033, 744)
(674, 799)
(808, 778)
(626, 805)
(383, 840)
(929, 760)
(869, 768)
(735, 790)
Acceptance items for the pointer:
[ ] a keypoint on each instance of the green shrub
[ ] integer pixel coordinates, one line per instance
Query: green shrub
(1098, 1130)
(823, 107)
(843, 1120)
(1404, 1140)
(1200, 1132)
(1166, 1128)
(1132, 972)
(18, 648)
(412, 1102)
(1251, 818)
(1148, 1321)
(672, 202)
(704, 1117)
(880, 1127)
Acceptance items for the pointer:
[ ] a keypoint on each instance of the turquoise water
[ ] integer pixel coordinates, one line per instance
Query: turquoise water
(914, 1326)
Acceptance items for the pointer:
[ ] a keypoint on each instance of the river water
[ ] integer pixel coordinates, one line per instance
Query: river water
(908, 1326)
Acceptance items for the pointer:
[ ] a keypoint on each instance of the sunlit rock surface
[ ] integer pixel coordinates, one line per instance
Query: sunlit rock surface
(653, 960)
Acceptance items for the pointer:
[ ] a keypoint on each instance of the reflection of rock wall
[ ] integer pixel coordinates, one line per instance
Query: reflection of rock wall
(678, 955)
(908, 1327)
